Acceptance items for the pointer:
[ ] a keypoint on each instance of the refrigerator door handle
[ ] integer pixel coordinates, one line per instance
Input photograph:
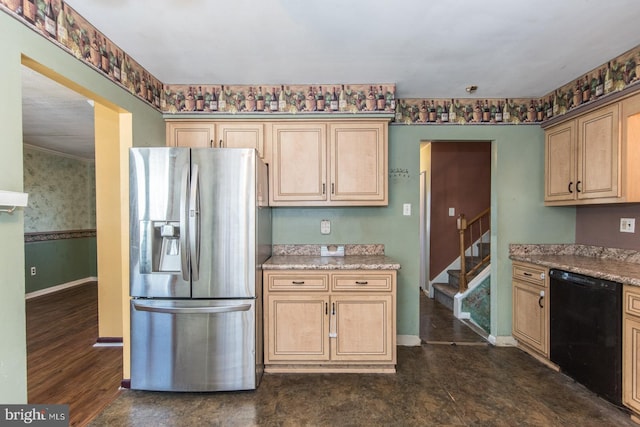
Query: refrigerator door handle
(184, 251)
(194, 223)
(191, 310)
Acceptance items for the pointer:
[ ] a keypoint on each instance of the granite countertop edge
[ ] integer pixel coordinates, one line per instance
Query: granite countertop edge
(347, 262)
(590, 261)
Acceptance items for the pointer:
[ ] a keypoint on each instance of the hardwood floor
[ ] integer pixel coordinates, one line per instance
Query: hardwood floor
(63, 367)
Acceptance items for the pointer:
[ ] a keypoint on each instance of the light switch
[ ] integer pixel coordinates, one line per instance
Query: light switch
(325, 226)
(406, 209)
(452, 211)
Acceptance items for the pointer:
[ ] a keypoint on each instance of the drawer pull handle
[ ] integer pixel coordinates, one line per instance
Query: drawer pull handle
(527, 274)
(362, 282)
(297, 282)
(569, 188)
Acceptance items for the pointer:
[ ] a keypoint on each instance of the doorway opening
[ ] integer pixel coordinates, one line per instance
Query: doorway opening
(60, 195)
(455, 180)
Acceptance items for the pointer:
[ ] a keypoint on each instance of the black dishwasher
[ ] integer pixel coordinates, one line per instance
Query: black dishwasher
(586, 331)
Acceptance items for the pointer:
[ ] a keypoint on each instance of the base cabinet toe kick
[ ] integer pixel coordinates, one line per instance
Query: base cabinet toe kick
(330, 321)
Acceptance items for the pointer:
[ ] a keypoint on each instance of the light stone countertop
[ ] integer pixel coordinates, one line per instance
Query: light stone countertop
(618, 265)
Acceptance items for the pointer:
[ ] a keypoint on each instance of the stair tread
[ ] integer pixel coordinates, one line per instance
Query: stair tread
(446, 288)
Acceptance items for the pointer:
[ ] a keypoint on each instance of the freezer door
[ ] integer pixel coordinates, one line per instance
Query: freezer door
(159, 182)
(226, 265)
(194, 345)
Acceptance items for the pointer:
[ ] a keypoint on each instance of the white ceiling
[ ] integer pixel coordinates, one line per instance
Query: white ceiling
(54, 117)
(430, 49)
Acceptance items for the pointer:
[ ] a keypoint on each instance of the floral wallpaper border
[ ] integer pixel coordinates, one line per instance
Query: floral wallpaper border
(61, 24)
(57, 235)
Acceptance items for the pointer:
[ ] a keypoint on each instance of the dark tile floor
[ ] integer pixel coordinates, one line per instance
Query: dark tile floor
(436, 384)
(439, 326)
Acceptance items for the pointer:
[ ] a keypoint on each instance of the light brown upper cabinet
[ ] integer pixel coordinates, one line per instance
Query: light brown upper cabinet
(299, 164)
(593, 157)
(340, 162)
(241, 135)
(191, 134)
(329, 164)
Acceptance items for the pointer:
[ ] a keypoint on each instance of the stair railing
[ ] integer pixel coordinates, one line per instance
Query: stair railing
(470, 232)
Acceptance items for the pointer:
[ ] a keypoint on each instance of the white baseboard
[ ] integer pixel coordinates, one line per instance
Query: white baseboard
(60, 287)
(503, 341)
(108, 344)
(408, 340)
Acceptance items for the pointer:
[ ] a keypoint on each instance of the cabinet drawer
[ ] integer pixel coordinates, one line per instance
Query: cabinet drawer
(530, 273)
(360, 282)
(298, 282)
(632, 301)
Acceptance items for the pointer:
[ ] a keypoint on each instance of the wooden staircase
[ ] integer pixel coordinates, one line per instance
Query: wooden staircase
(444, 292)
(474, 252)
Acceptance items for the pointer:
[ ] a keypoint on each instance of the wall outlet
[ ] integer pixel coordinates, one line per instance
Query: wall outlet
(325, 226)
(33, 271)
(406, 209)
(627, 225)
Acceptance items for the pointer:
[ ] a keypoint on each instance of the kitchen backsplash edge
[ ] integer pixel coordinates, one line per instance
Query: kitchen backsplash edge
(314, 249)
(624, 255)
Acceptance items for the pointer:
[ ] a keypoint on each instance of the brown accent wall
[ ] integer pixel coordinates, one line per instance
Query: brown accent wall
(600, 226)
(460, 179)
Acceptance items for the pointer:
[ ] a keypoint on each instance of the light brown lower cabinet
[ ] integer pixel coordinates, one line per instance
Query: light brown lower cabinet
(530, 323)
(631, 349)
(330, 321)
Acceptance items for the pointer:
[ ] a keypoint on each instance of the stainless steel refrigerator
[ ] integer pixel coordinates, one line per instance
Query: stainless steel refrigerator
(200, 229)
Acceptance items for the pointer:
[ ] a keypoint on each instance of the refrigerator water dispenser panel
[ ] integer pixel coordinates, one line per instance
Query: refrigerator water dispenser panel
(160, 247)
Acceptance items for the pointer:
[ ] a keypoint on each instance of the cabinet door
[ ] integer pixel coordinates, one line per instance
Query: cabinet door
(363, 328)
(242, 135)
(299, 164)
(530, 314)
(631, 363)
(630, 149)
(598, 149)
(560, 163)
(296, 328)
(358, 162)
(190, 134)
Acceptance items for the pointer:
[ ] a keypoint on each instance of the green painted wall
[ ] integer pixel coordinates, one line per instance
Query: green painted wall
(518, 213)
(59, 261)
(148, 129)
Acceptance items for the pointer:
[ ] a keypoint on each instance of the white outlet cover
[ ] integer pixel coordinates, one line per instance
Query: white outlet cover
(325, 226)
(406, 209)
(627, 225)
